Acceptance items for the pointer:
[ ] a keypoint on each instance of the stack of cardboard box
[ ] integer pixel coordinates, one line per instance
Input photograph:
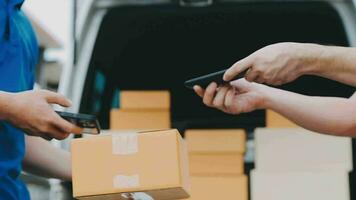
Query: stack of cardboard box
(293, 163)
(128, 163)
(216, 159)
(142, 110)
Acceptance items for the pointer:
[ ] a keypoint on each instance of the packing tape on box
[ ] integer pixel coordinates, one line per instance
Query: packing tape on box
(125, 143)
(123, 181)
(137, 196)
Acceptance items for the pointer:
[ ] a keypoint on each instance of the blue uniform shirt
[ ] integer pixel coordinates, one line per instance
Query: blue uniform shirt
(18, 57)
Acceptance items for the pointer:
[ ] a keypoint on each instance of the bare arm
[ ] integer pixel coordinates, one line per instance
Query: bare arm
(284, 62)
(31, 111)
(336, 63)
(5, 99)
(328, 115)
(43, 159)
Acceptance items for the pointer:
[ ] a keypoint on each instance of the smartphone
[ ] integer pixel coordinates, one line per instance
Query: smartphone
(217, 77)
(89, 123)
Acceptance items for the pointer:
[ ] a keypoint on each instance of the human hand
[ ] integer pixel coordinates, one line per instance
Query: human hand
(239, 96)
(277, 64)
(31, 111)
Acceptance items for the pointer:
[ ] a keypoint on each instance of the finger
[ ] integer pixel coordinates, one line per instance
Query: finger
(55, 98)
(229, 99)
(241, 85)
(237, 68)
(199, 90)
(251, 75)
(209, 94)
(220, 98)
(66, 126)
(56, 133)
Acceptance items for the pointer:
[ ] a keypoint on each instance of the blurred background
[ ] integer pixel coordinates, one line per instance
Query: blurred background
(93, 49)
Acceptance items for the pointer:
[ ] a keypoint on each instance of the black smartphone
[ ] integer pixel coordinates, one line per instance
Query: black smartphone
(89, 123)
(217, 77)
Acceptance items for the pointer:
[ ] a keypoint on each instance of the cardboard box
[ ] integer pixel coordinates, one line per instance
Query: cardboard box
(275, 120)
(134, 119)
(216, 141)
(216, 164)
(145, 100)
(216, 188)
(306, 185)
(300, 149)
(117, 165)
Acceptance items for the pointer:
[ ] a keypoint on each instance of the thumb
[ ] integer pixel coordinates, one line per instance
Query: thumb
(242, 85)
(238, 68)
(55, 98)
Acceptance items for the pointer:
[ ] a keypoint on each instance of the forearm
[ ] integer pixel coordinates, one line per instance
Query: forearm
(45, 160)
(4, 104)
(329, 115)
(336, 63)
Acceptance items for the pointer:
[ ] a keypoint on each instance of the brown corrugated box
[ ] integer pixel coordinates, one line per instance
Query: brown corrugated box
(216, 164)
(216, 151)
(216, 141)
(145, 100)
(275, 120)
(219, 188)
(111, 166)
(128, 119)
